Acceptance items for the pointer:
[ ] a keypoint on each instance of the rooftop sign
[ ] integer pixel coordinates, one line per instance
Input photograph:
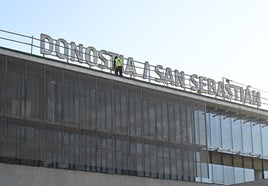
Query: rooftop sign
(165, 76)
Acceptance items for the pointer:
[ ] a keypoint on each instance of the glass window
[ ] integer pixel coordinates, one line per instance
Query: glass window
(2, 82)
(217, 172)
(215, 131)
(105, 154)
(54, 94)
(174, 119)
(88, 151)
(187, 121)
(120, 108)
(135, 157)
(239, 175)
(88, 102)
(200, 127)
(256, 136)
(161, 117)
(134, 104)
(264, 130)
(247, 137)
(15, 92)
(150, 160)
(56, 151)
(226, 133)
(121, 152)
(249, 175)
(237, 134)
(34, 91)
(104, 105)
(228, 175)
(74, 149)
(148, 105)
(71, 98)
(265, 174)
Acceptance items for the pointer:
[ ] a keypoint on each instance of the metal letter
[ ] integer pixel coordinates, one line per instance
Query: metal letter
(195, 83)
(248, 97)
(77, 53)
(256, 98)
(168, 76)
(229, 94)
(236, 88)
(91, 53)
(159, 73)
(220, 89)
(103, 59)
(65, 47)
(130, 67)
(202, 84)
(43, 38)
(211, 86)
(146, 70)
(179, 79)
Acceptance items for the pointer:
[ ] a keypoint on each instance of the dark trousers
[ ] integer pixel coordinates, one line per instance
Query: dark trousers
(118, 70)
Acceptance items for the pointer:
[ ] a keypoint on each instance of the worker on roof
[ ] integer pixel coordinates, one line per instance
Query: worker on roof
(118, 65)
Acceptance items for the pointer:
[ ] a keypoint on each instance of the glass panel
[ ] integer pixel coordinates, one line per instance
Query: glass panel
(186, 165)
(2, 82)
(200, 127)
(121, 153)
(247, 137)
(237, 134)
(239, 175)
(265, 174)
(120, 108)
(88, 102)
(15, 92)
(264, 130)
(215, 131)
(187, 121)
(160, 161)
(174, 120)
(217, 172)
(54, 95)
(249, 175)
(226, 133)
(71, 99)
(148, 114)
(256, 135)
(104, 105)
(208, 118)
(161, 117)
(134, 104)
(135, 157)
(228, 175)
(105, 155)
(34, 91)
(56, 154)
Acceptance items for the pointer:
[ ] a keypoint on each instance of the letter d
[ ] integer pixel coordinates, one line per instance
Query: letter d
(43, 38)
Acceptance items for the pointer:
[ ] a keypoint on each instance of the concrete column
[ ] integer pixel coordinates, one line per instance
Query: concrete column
(258, 175)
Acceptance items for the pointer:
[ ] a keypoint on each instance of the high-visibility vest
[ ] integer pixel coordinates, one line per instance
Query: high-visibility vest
(118, 63)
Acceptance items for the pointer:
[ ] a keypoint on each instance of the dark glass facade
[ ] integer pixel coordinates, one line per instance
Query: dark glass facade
(64, 119)
(60, 118)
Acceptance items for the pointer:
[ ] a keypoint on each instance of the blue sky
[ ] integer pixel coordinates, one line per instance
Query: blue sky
(213, 38)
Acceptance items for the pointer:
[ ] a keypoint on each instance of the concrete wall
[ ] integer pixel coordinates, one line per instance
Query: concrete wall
(19, 175)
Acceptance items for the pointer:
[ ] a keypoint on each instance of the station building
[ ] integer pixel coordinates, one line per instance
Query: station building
(67, 124)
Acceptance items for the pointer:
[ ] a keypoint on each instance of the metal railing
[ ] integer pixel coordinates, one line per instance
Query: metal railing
(32, 45)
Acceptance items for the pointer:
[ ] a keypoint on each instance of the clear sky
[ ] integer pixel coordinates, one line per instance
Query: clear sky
(213, 38)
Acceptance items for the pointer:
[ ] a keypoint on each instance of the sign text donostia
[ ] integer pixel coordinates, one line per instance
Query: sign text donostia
(104, 60)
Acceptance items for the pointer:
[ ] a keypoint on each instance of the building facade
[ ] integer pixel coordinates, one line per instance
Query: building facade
(64, 116)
